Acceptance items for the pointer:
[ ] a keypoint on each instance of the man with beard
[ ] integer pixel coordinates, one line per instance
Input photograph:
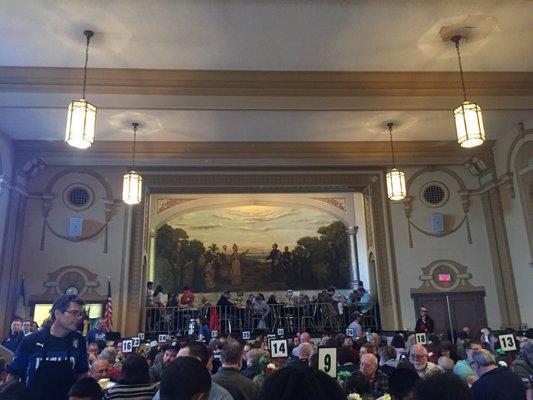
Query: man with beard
(419, 358)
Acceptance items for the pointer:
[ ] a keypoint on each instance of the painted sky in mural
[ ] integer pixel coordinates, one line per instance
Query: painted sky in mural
(252, 227)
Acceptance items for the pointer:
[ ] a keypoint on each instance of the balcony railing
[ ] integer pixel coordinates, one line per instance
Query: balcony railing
(314, 318)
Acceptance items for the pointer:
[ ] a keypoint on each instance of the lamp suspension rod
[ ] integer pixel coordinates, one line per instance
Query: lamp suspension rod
(135, 125)
(88, 34)
(390, 124)
(456, 39)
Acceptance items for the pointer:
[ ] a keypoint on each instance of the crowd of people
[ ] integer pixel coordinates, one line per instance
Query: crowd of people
(171, 312)
(57, 362)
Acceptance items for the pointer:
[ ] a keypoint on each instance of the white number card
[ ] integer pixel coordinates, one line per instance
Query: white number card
(281, 332)
(127, 346)
(246, 335)
(140, 335)
(507, 342)
(136, 341)
(421, 338)
(162, 338)
(327, 360)
(214, 333)
(279, 348)
(350, 332)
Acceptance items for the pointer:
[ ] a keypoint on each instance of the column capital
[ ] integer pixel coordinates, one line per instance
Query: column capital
(352, 230)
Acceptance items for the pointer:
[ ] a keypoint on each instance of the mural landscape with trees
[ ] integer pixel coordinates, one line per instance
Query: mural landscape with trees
(237, 250)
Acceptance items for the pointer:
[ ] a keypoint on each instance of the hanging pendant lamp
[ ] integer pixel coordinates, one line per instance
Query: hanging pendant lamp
(468, 118)
(394, 177)
(81, 116)
(132, 182)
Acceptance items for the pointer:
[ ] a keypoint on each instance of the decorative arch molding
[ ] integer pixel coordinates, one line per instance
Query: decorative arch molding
(523, 173)
(47, 196)
(459, 278)
(525, 135)
(85, 281)
(463, 192)
(332, 205)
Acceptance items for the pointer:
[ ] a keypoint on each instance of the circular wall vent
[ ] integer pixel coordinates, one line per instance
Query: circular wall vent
(78, 196)
(434, 194)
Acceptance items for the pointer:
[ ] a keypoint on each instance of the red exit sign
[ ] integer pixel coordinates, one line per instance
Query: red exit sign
(445, 277)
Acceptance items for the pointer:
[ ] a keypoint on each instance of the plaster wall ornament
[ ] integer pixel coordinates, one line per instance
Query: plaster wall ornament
(463, 192)
(68, 278)
(48, 196)
(459, 278)
(337, 202)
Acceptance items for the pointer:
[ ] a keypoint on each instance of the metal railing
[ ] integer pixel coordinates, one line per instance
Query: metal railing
(313, 318)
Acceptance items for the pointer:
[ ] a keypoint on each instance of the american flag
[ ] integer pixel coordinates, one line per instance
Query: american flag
(108, 312)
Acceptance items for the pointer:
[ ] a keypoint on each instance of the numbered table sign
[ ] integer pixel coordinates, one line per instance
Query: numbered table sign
(162, 338)
(350, 332)
(507, 342)
(327, 360)
(140, 335)
(421, 338)
(214, 334)
(246, 335)
(127, 346)
(281, 332)
(136, 341)
(279, 348)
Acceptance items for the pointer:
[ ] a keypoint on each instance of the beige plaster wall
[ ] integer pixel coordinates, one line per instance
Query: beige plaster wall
(455, 247)
(6, 165)
(35, 264)
(515, 224)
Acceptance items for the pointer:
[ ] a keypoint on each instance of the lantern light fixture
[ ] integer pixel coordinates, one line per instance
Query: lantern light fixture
(468, 118)
(395, 178)
(81, 115)
(132, 181)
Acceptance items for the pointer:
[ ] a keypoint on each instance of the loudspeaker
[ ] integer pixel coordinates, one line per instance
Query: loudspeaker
(437, 222)
(75, 227)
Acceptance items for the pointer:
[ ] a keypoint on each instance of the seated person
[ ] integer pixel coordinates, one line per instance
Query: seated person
(185, 378)
(347, 359)
(85, 389)
(301, 383)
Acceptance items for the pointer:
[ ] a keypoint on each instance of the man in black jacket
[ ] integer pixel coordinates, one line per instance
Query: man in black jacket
(495, 383)
(13, 340)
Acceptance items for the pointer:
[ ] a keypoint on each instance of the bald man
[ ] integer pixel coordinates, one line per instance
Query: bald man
(304, 338)
(99, 368)
(419, 358)
(304, 352)
(369, 368)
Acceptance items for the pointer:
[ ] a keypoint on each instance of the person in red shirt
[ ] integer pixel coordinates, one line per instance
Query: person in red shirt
(187, 298)
(424, 324)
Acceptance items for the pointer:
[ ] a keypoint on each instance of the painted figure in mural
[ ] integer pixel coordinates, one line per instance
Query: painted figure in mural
(332, 263)
(209, 277)
(177, 261)
(199, 272)
(223, 264)
(287, 265)
(275, 260)
(236, 264)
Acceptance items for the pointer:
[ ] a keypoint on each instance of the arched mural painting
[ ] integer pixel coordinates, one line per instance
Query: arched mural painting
(250, 247)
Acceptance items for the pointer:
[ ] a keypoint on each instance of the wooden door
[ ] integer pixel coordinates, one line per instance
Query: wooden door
(437, 308)
(453, 310)
(468, 309)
